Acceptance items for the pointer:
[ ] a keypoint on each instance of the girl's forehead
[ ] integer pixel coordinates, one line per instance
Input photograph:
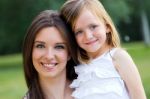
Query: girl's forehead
(96, 13)
(87, 15)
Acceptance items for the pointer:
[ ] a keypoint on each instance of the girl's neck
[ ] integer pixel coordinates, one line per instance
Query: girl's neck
(99, 52)
(55, 88)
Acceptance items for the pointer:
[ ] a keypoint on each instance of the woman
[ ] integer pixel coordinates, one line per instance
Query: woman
(48, 66)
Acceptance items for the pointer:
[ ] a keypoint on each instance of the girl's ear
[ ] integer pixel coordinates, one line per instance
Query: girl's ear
(107, 28)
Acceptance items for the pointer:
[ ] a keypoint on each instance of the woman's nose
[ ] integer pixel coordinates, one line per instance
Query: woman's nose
(50, 54)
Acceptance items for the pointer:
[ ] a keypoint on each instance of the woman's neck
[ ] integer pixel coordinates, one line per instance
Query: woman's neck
(55, 88)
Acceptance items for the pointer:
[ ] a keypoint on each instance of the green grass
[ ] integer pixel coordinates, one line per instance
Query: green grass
(141, 56)
(11, 61)
(12, 83)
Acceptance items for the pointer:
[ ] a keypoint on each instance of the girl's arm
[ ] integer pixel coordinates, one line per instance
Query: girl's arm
(129, 73)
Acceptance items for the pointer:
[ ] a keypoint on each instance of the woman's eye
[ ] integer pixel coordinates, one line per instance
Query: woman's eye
(40, 46)
(60, 47)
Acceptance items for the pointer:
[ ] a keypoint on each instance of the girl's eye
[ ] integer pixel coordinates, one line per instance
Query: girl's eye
(60, 47)
(78, 32)
(39, 46)
(92, 27)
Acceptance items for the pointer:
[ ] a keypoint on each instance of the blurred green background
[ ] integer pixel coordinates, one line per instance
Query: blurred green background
(131, 17)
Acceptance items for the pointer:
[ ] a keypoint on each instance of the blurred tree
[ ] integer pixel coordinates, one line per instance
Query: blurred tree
(140, 13)
(118, 9)
(127, 15)
(9, 26)
(144, 22)
(120, 12)
(15, 17)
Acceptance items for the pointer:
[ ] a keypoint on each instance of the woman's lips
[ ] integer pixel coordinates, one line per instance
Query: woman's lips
(49, 66)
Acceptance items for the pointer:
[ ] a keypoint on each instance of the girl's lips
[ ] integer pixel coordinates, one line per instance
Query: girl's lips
(91, 42)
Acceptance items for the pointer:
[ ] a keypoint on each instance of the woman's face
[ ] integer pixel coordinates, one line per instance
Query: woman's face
(50, 53)
(90, 32)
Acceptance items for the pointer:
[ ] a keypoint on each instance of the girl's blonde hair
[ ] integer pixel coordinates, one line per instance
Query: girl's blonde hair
(71, 11)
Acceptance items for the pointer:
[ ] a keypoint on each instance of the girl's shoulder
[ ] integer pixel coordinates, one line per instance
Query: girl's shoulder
(120, 53)
(122, 59)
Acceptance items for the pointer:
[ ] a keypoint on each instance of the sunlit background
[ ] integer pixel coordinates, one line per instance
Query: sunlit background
(131, 17)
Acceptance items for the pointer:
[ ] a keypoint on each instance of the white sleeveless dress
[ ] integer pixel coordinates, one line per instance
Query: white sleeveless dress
(99, 80)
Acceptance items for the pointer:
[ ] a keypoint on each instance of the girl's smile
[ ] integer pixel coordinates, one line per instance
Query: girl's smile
(91, 42)
(91, 34)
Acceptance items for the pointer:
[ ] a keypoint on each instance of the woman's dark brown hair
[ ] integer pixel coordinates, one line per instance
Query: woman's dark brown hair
(48, 18)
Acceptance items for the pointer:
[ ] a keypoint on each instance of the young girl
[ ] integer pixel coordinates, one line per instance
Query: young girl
(106, 71)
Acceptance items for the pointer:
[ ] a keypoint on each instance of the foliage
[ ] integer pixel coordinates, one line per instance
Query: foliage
(127, 16)
(118, 10)
(16, 16)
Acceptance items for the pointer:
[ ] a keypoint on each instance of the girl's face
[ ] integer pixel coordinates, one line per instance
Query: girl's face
(50, 54)
(90, 32)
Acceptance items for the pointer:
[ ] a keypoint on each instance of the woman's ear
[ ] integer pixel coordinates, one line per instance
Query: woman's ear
(69, 57)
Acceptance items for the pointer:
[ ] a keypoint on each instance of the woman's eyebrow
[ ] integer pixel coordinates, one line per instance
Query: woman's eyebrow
(39, 42)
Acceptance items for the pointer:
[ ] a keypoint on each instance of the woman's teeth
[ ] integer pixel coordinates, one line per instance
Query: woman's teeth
(49, 65)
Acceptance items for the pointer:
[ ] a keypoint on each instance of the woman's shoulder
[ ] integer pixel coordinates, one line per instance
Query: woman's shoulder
(26, 96)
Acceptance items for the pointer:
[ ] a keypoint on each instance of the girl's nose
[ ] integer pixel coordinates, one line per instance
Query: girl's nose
(88, 35)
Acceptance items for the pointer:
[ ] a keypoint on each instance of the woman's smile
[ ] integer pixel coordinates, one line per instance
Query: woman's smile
(49, 66)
